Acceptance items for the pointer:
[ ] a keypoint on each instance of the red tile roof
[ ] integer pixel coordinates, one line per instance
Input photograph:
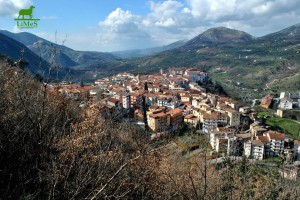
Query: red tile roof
(275, 135)
(150, 95)
(191, 116)
(158, 115)
(113, 100)
(267, 100)
(153, 86)
(85, 88)
(264, 139)
(210, 116)
(175, 111)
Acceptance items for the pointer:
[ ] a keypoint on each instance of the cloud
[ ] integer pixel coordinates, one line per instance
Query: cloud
(163, 13)
(171, 20)
(121, 22)
(218, 11)
(12, 7)
(121, 30)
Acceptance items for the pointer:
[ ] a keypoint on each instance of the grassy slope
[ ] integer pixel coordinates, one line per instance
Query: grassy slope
(287, 126)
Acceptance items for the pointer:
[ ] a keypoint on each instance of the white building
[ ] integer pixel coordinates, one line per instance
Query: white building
(266, 141)
(196, 75)
(168, 102)
(247, 148)
(210, 122)
(293, 97)
(221, 140)
(125, 99)
(175, 71)
(196, 103)
(286, 104)
(255, 149)
(153, 88)
(276, 142)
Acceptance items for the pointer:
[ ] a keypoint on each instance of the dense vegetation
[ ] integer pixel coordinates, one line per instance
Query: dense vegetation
(49, 149)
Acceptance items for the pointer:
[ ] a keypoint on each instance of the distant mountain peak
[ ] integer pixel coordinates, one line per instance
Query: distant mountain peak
(219, 35)
(223, 30)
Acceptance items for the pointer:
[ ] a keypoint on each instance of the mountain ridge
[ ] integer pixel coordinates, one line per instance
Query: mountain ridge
(31, 62)
(219, 35)
(12, 49)
(243, 64)
(65, 56)
(290, 31)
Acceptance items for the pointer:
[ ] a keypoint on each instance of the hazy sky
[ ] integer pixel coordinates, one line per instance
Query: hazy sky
(111, 25)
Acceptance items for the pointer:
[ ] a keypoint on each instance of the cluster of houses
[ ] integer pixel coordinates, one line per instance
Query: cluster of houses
(168, 101)
(285, 102)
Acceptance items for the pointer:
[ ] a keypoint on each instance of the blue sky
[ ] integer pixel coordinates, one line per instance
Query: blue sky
(111, 25)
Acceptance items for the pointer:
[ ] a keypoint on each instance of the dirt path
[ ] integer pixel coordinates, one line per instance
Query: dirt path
(272, 82)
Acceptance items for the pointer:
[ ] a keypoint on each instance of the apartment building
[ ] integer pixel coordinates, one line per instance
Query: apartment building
(234, 117)
(176, 118)
(210, 122)
(220, 134)
(276, 142)
(158, 122)
(255, 149)
(196, 75)
(191, 120)
(154, 88)
(136, 99)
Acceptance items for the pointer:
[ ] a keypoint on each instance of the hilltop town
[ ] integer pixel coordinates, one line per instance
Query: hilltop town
(174, 101)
